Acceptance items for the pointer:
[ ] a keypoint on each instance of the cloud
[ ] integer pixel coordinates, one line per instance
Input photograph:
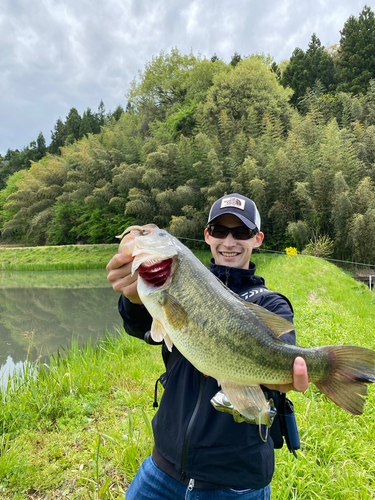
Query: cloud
(59, 54)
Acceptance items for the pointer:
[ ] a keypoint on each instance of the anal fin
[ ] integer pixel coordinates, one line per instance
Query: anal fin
(247, 400)
(168, 342)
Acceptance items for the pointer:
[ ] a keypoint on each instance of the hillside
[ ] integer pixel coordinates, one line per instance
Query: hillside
(336, 460)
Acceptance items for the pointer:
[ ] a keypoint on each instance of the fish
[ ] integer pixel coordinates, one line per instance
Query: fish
(229, 339)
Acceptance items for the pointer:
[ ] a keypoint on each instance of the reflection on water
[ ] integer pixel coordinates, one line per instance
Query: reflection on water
(7, 370)
(41, 311)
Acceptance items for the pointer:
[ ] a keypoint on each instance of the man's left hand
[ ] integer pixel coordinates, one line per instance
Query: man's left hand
(300, 378)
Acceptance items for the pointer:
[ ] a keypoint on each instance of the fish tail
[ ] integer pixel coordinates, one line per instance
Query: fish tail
(351, 369)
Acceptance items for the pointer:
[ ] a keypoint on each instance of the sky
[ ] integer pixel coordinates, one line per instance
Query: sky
(60, 54)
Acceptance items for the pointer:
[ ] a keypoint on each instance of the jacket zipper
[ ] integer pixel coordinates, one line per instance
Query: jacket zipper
(190, 426)
(227, 272)
(191, 484)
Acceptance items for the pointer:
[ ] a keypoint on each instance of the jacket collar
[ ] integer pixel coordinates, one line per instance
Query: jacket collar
(235, 278)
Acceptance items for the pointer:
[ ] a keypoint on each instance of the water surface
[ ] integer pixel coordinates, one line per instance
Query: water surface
(42, 311)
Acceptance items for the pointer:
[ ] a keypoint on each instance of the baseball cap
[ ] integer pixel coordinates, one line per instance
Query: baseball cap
(238, 205)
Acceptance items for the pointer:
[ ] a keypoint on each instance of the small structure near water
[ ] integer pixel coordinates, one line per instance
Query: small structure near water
(368, 279)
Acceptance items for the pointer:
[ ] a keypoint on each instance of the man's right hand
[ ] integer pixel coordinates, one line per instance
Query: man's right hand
(119, 275)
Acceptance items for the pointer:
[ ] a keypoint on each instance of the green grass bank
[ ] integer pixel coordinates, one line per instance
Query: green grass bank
(80, 429)
(48, 258)
(68, 257)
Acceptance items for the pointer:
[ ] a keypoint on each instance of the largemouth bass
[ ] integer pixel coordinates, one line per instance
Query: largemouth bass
(227, 338)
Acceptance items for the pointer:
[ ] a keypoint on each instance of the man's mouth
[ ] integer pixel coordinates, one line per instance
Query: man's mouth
(229, 254)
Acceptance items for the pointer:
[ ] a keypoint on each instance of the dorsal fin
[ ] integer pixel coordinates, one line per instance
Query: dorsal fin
(275, 323)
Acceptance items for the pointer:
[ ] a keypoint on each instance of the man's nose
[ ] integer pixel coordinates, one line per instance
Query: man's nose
(229, 240)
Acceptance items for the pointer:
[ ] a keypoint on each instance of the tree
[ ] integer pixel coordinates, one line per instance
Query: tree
(14, 161)
(86, 125)
(239, 100)
(357, 52)
(299, 232)
(100, 115)
(275, 69)
(342, 211)
(363, 248)
(10, 188)
(116, 115)
(304, 69)
(64, 219)
(72, 126)
(364, 196)
(162, 84)
(322, 185)
(171, 84)
(236, 58)
(36, 193)
(41, 146)
(58, 137)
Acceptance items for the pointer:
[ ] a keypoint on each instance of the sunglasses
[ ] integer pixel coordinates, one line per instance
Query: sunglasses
(238, 233)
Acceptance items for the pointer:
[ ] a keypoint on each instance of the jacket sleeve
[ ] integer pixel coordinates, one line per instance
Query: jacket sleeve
(136, 318)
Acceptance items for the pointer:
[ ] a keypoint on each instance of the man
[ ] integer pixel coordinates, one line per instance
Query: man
(200, 452)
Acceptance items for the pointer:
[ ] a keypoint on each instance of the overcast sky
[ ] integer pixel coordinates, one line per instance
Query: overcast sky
(59, 54)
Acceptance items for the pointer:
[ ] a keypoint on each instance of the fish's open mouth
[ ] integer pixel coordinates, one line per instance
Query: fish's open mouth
(155, 271)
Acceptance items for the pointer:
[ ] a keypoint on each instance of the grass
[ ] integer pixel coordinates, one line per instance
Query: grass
(80, 429)
(80, 425)
(60, 258)
(337, 459)
(80, 278)
(50, 258)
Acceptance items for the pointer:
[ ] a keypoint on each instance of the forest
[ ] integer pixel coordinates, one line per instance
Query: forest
(297, 137)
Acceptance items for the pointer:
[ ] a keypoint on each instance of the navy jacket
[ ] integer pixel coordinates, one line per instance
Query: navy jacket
(192, 439)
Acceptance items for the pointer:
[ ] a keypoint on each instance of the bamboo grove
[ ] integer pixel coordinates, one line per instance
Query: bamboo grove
(195, 129)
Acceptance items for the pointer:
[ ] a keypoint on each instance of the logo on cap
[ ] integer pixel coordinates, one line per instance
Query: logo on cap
(233, 202)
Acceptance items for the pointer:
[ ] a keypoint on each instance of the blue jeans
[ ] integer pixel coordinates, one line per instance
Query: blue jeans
(151, 483)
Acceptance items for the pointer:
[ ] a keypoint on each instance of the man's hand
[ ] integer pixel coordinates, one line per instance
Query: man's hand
(119, 275)
(300, 378)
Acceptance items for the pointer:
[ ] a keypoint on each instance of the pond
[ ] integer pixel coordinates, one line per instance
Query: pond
(42, 311)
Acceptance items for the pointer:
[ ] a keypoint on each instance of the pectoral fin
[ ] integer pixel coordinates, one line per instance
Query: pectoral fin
(158, 333)
(175, 313)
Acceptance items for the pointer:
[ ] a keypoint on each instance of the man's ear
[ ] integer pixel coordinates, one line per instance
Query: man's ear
(206, 236)
(259, 237)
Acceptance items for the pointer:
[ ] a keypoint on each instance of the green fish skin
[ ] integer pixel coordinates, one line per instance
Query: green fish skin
(231, 340)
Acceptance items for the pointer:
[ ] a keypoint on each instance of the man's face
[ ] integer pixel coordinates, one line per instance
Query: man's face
(231, 252)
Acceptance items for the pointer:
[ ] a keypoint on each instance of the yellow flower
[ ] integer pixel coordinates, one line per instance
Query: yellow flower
(291, 251)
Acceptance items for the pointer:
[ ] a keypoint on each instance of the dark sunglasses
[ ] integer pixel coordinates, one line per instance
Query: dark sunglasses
(238, 233)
